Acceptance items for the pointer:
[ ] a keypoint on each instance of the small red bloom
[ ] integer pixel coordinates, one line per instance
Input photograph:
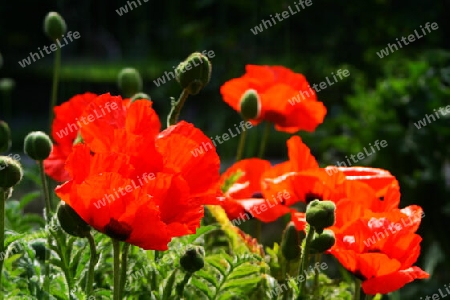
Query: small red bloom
(286, 98)
(135, 184)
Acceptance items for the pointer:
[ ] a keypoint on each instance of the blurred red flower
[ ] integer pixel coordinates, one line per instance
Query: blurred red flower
(136, 184)
(286, 97)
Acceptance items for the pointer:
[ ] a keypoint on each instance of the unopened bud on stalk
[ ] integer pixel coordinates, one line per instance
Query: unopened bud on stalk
(71, 222)
(130, 82)
(193, 259)
(10, 172)
(5, 137)
(290, 243)
(140, 96)
(54, 25)
(38, 145)
(250, 105)
(320, 214)
(194, 73)
(322, 242)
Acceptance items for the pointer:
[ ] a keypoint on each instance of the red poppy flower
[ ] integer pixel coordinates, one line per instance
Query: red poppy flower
(135, 184)
(286, 98)
(377, 179)
(380, 249)
(65, 129)
(244, 196)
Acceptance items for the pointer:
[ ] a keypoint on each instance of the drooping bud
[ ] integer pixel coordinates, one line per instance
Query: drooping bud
(194, 73)
(250, 105)
(10, 172)
(39, 249)
(5, 137)
(320, 214)
(322, 242)
(71, 222)
(140, 96)
(7, 85)
(130, 82)
(193, 259)
(54, 25)
(290, 243)
(38, 145)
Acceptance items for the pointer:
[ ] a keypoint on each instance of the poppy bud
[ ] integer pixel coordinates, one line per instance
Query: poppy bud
(322, 242)
(193, 259)
(5, 137)
(10, 172)
(38, 145)
(250, 105)
(54, 25)
(71, 222)
(320, 214)
(290, 243)
(140, 96)
(194, 73)
(7, 84)
(39, 248)
(130, 82)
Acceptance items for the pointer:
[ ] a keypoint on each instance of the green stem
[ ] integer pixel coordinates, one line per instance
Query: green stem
(48, 220)
(181, 285)
(48, 205)
(240, 151)
(318, 258)
(262, 147)
(172, 119)
(116, 254)
(258, 230)
(56, 67)
(3, 196)
(357, 289)
(304, 261)
(123, 273)
(368, 297)
(92, 262)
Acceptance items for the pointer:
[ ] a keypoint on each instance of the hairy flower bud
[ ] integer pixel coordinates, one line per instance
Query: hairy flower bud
(10, 172)
(71, 222)
(130, 82)
(193, 259)
(5, 137)
(320, 214)
(54, 25)
(140, 96)
(194, 73)
(7, 85)
(322, 242)
(250, 105)
(290, 242)
(38, 145)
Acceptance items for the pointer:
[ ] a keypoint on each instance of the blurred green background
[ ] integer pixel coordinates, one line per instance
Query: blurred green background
(380, 100)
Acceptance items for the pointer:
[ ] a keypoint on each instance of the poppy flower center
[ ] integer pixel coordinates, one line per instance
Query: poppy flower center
(118, 230)
(311, 197)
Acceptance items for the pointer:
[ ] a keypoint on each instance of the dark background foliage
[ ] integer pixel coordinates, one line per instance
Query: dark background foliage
(381, 99)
